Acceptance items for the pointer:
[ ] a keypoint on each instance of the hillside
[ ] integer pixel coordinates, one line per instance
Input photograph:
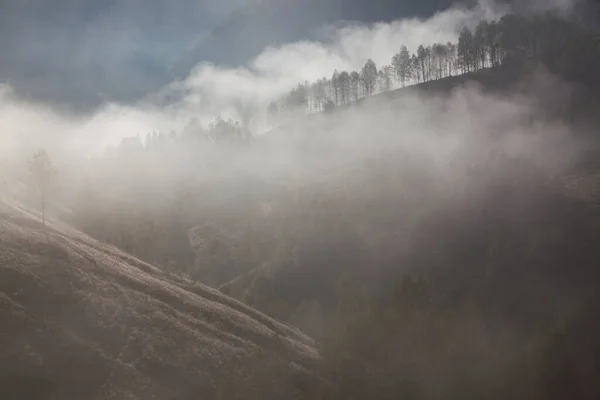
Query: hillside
(81, 319)
(507, 215)
(567, 92)
(485, 288)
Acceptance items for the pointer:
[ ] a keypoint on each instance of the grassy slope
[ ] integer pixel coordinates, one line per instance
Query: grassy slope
(83, 320)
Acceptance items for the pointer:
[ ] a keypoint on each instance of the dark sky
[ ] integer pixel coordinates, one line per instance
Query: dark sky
(247, 31)
(78, 54)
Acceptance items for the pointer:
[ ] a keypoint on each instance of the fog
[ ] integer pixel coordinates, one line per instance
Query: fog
(439, 127)
(210, 90)
(242, 92)
(446, 132)
(325, 220)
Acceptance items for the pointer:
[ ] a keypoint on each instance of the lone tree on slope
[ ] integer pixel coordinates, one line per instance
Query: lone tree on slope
(42, 176)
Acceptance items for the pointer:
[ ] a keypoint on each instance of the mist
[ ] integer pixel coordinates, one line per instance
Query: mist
(211, 91)
(445, 130)
(240, 93)
(430, 241)
(442, 134)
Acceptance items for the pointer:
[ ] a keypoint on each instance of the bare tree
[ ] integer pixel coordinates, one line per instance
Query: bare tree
(481, 45)
(368, 76)
(335, 86)
(465, 50)
(42, 178)
(422, 55)
(402, 65)
(386, 74)
(416, 68)
(354, 84)
(438, 54)
(450, 57)
(344, 86)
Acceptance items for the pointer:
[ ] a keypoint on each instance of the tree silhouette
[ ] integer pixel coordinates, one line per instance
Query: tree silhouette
(416, 68)
(421, 55)
(344, 86)
(465, 50)
(481, 44)
(386, 75)
(450, 57)
(354, 82)
(402, 65)
(335, 85)
(42, 178)
(368, 76)
(513, 38)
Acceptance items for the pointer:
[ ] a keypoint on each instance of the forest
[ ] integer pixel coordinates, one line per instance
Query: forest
(424, 268)
(512, 39)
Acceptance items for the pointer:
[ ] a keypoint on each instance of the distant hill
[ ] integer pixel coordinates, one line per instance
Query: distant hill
(83, 320)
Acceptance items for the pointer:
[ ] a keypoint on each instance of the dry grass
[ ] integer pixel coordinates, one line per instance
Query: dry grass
(81, 319)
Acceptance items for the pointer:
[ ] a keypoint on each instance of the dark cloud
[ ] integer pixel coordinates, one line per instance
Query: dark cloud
(76, 54)
(237, 92)
(275, 22)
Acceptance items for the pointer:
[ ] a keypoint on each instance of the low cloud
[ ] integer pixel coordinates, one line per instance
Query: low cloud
(211, 91)
(278, 69)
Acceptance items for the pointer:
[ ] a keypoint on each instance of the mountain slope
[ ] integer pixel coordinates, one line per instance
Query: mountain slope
(83, 320)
